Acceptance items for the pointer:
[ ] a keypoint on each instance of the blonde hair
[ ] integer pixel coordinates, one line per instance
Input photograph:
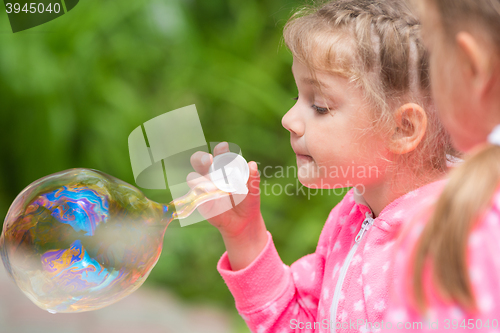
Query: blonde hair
(376, 45)
(470, 189)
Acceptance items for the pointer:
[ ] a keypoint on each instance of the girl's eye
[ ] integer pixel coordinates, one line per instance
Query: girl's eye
(320, 110)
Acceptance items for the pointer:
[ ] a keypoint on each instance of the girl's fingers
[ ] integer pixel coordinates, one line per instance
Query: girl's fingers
(201, 162)
(221, 148)
(253, 179)
(194, 178)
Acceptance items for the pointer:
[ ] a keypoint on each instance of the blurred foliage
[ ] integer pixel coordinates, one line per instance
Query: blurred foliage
(73, 89)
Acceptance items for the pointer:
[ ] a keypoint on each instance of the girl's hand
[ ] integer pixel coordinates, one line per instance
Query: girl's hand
(241, 227)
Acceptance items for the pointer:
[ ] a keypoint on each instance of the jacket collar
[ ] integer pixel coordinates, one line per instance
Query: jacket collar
(361, 202)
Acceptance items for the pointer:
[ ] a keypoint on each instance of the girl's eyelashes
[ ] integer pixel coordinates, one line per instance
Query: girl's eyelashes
(320, 110)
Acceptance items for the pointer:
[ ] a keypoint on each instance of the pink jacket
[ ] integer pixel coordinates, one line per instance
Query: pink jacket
(340, 287)
(483, 258)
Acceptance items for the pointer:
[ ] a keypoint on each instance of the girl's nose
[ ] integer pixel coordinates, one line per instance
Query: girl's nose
(292, 122)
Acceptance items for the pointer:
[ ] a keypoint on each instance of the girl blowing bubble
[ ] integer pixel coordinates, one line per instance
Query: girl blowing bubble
(453, 278)
(364, 100)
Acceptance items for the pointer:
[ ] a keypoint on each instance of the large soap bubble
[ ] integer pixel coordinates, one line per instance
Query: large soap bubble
(79, 240)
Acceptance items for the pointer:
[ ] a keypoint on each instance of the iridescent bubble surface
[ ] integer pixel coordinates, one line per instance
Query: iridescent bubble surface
(79, 240)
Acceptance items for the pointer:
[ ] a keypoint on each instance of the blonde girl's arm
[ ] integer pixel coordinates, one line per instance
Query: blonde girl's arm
(273, 297)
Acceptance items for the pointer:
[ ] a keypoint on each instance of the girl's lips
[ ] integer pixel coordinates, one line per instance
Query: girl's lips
(304, 157)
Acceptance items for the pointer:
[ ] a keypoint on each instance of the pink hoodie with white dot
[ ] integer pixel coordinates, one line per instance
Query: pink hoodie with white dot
(483, 261)
(343, 287)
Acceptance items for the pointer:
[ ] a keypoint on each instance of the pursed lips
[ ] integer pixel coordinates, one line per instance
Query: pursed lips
(302, 156)
(299, 153)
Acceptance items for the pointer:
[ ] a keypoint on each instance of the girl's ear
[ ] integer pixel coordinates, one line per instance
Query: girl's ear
(476, 61)
(411, 124)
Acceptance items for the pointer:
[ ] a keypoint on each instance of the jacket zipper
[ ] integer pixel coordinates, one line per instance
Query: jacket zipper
(367, 223)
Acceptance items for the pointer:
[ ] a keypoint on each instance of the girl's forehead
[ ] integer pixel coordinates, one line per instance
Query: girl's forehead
(336, 85)
(327, 82)
(332, 50)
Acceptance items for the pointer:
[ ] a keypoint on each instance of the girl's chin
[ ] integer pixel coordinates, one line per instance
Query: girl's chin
(305, 182)
(311, 182)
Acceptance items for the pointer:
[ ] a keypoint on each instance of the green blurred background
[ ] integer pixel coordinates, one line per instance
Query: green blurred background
(72, 90)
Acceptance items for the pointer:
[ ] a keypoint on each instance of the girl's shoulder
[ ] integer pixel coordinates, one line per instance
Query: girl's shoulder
(483, 265)
(408, 210)
(402, 208)
(425, 195)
